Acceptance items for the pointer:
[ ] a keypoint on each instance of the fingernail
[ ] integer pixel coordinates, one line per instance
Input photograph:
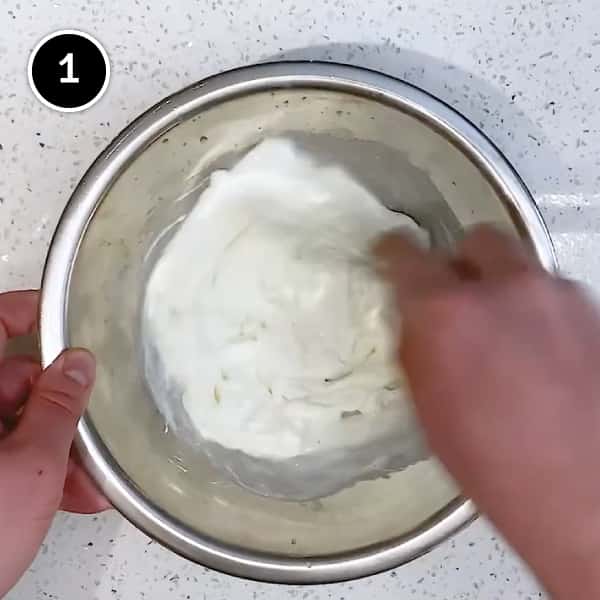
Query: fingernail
(79, 366)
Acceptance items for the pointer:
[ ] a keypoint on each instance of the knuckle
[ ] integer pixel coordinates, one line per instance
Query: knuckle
(531, 280)
(481, 233)
(446, 311)
(525, 283)
(59, 401)
(439, 329)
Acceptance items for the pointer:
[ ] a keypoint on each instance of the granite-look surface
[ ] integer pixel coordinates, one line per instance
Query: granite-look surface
(528, 72)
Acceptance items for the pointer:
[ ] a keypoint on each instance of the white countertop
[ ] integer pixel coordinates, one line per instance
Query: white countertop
(526, 71)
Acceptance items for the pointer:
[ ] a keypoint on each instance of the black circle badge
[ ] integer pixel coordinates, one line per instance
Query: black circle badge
(69, 70)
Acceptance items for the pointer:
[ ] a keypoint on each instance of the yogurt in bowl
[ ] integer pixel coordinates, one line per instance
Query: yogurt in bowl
(280, 344)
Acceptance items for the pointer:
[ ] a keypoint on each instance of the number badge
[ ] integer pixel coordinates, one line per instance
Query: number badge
(69, 70)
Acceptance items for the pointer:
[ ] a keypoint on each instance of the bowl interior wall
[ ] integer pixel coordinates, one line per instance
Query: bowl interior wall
(409, 166)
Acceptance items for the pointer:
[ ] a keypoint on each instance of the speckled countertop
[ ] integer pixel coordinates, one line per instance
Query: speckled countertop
(526, 71)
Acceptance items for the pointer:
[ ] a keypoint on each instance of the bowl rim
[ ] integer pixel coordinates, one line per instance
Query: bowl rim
(88, 195)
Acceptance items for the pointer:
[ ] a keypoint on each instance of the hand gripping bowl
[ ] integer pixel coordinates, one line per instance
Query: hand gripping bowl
(413, 151)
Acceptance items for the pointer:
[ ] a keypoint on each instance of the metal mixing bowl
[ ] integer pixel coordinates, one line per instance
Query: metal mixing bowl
(413, 151)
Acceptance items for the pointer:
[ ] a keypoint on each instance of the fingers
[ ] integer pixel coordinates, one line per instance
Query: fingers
(80, 494)
(18, 315)
(412, 270)
(35, 454)
(494, 253)
(17, 376)
(57, 401)
(484, 252)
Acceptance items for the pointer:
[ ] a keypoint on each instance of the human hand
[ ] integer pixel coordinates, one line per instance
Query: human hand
(502, 359)
(39, 411)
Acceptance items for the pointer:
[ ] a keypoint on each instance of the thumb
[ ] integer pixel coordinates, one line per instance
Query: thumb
(57, 401)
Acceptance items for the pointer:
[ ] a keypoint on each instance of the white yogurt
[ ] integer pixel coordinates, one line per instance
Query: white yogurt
(266, 314)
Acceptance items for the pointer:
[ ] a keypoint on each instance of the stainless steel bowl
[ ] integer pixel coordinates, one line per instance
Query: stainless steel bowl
(416, 153)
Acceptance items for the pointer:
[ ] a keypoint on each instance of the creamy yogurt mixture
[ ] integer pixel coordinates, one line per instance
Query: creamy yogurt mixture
(266, 315)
